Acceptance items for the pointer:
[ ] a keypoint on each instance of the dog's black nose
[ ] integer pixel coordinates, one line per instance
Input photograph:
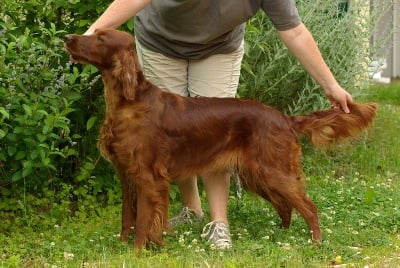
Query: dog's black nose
(67, 38)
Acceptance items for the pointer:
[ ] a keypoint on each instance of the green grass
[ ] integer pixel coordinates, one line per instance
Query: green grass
(355, 185)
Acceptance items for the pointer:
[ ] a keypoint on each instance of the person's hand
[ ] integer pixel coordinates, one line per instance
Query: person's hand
(339, 98)
(89, 31)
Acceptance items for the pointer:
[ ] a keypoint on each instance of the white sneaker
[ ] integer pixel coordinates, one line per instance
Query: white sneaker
(217, 233)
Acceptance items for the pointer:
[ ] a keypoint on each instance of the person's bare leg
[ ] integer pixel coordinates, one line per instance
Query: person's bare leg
(217, 232)
(216, 186)
(190, 195)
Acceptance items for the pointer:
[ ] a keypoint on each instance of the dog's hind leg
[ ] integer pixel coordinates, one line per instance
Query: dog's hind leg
(286, 191)
(294, 194)
(282, 206)
(260, 186)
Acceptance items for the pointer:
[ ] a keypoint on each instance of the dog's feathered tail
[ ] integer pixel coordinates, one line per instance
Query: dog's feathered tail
(329, 126)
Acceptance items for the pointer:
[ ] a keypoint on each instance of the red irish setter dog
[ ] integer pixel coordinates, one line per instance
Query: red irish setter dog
(154, 138)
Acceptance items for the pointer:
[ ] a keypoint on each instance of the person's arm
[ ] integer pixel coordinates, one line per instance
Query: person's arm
(117, 13)
(302, 45)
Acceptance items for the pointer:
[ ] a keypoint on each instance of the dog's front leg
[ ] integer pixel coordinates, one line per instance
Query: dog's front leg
(128, 207)
(152, 210)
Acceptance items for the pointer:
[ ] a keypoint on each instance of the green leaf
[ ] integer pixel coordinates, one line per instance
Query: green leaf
(46, 161)
(90, 123)
(2, 133)
(28, 110)
(18, 130)
(26, 172)
(4, 113)
(369, 196)
(49, 124)
(11, 150)
(39, 114)
(16, 176)
(34, 154)
(130, 24)
(20, 155)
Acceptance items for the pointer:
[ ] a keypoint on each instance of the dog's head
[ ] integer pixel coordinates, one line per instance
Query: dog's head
(108, 50)
(99, 48)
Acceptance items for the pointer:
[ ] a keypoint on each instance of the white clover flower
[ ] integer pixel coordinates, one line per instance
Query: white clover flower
(181, 239)
(68, 256)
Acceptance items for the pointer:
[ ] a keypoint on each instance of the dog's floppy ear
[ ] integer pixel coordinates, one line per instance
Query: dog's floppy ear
(125, 69)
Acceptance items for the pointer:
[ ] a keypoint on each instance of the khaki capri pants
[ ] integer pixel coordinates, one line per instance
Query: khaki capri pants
(214, 76)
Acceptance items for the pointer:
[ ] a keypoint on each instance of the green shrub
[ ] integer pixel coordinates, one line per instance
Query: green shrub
(272, 75)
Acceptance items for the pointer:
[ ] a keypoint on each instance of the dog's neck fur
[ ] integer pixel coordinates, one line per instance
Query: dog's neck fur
(114, 90)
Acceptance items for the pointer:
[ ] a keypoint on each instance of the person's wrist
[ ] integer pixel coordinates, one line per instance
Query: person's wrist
(89, 31)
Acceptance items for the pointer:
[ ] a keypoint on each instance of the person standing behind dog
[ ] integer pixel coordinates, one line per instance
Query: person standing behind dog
(195, 48)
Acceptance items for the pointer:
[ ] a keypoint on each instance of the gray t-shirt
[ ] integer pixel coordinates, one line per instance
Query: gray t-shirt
(194, 29)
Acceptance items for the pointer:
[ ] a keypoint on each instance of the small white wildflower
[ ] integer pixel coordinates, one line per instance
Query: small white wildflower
(52, 244)
(56, 226)
(181, 239)
(187, 233)
(265, 237)
(68, 256)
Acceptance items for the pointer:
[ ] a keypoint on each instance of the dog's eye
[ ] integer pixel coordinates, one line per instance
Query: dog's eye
(100, 38)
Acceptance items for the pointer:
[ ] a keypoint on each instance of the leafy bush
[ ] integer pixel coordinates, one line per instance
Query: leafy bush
(48, 108)
(272, 75)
